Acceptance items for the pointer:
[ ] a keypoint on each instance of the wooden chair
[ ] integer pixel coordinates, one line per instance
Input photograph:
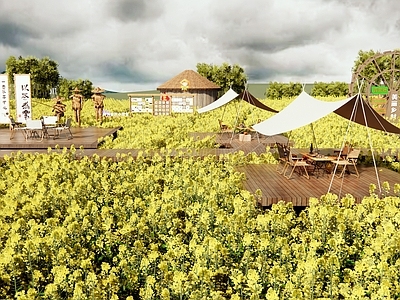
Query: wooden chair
(349, 161)
(65, 127)
(296, 163)
(283, 158)
(223, 127)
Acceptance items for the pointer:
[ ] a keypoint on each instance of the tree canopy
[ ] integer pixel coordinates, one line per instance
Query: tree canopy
(333, 89)
(225, 75)
(44, 73)
(277, 90)
(66, 87)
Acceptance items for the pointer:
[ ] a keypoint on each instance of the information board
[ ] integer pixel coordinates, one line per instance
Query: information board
(161, 107)
(141, 104)
(182, 104)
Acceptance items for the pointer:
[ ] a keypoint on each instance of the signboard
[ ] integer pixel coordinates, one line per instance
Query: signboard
(23, 99)
(162, 106)
(379, 90)
(5, 99)
(141, 104)
(182, 104)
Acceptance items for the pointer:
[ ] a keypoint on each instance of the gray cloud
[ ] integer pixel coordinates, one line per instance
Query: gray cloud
(124, 73)
(134, 10)
(135, 44)
(13, 35)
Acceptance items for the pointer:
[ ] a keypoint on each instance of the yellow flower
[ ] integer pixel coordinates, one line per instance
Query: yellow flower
(165, 295)
(60, 274)
(247, 239)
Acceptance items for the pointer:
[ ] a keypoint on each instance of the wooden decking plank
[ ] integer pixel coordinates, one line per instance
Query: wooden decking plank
(303, 188)
(274, 186)
(261, 179)
(87, 138)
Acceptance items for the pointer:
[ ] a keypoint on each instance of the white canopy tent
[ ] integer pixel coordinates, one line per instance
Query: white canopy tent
(302, 111)
(305, 110)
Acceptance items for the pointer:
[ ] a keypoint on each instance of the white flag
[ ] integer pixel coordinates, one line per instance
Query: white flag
(5, 99)
(23, 97)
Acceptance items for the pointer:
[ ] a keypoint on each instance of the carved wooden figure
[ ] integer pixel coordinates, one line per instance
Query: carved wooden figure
(58, 108)
(77, 103)
(98, 102)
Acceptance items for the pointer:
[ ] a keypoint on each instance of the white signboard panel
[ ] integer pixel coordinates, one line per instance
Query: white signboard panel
(23, 99)
(182, 104)
(142, 105)
(5, 99)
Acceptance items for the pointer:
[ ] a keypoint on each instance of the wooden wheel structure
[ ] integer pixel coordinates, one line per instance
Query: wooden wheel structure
(378, 79)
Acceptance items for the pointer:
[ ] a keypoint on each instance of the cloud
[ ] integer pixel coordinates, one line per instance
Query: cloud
(135, 10)
(12, 34)
(135, 44)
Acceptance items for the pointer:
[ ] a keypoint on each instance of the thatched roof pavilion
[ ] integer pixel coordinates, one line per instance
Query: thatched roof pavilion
(192, 83)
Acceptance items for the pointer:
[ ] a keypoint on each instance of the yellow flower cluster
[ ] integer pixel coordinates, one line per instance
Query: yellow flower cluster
(182, 228)
(145, 131)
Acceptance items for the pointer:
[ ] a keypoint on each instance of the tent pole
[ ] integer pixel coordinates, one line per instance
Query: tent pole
(341, 148)
(236, 120)
(253, 121)
(314, 139)
(372, 150)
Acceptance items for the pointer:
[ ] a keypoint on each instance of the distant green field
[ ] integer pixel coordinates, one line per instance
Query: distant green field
(124, 96)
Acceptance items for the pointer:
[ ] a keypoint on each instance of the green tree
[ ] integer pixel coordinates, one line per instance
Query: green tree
(333, 89)
(44, 73)
(67, 86)
(277, 90)
(226, 76)
(291, 90)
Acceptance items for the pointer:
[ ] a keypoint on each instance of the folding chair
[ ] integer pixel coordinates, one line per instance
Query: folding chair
(223, 127)
(349, 161)
(34, 129)
(283, 158)
(49, 122)
(296, 162)
(65, 127)
(16, 126)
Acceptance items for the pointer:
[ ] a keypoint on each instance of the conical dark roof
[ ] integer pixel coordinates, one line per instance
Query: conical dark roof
(196, 81)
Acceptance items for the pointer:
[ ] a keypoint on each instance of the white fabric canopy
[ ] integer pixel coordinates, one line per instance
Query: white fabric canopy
(302, 111)
(224, 99)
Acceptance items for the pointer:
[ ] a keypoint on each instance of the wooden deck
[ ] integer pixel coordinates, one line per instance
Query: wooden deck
(298, 189)
(274, 186)
(87, 138)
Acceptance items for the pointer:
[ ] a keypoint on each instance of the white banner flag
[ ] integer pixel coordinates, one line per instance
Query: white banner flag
(23, 97)
(5, 99)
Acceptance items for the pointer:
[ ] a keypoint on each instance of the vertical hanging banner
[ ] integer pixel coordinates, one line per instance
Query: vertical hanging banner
(5, 99)
(23, 101)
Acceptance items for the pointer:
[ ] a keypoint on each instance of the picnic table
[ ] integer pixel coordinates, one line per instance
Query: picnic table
(320, 162)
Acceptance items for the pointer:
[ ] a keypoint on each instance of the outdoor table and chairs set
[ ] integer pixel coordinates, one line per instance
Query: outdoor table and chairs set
(307, 164)
(40, 129)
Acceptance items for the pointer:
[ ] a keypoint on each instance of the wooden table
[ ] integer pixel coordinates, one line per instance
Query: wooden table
(320, 162)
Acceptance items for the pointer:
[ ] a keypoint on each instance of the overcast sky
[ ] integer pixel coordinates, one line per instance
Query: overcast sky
(133, 45)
